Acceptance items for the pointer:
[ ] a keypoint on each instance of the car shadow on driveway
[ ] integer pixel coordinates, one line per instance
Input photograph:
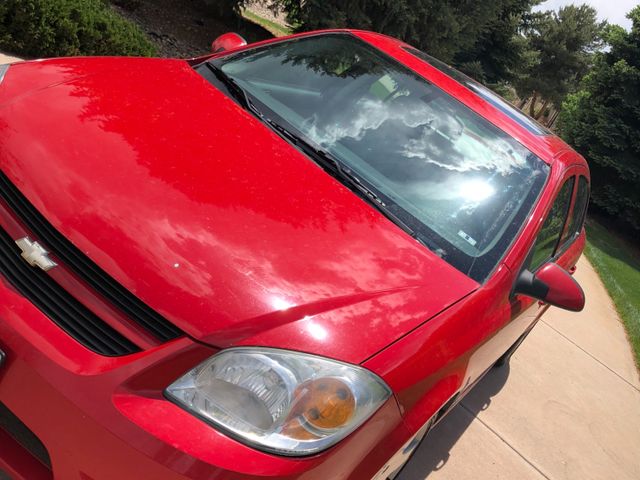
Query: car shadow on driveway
(433, 452)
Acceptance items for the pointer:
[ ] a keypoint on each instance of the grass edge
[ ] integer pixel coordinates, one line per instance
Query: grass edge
(622, 299)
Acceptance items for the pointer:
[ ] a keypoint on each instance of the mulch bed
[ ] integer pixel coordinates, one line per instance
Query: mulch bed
(186, 28)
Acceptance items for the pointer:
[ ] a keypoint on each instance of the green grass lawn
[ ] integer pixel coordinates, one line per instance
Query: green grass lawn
(618, 264)
(276, 29)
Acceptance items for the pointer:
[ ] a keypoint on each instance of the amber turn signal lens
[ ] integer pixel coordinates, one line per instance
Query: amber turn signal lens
(327, 403)
(295, 429)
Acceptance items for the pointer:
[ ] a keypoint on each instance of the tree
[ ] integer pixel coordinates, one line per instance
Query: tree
(499, 50)
(479, 37)
(602, 121)
(561, 47)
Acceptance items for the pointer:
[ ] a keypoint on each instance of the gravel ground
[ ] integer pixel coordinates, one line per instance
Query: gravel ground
(185, 28)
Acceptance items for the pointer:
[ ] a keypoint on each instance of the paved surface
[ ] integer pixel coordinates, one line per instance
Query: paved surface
(7, 59)
(568, 406)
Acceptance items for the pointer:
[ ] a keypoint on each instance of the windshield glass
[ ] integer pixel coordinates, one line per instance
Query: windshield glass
(491, 97)
(464, 186)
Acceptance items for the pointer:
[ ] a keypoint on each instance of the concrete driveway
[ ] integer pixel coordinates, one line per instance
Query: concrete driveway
(7, 59)
(568, 406)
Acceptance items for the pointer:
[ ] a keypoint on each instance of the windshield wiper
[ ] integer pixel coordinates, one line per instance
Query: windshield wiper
(320, 156)
(346, 175)
(234, 89)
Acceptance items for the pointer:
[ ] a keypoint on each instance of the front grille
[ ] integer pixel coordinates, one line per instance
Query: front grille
(84, 267)
(56, 303)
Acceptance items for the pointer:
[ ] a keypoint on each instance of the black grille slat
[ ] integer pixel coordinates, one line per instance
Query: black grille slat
(53, 296)
(63, 309)
(84, 267)
(72, 257)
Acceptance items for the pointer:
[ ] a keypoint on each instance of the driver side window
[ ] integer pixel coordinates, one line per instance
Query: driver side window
(549, 236)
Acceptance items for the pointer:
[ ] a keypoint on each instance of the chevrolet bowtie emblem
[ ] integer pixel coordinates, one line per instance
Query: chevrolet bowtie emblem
(34, 254)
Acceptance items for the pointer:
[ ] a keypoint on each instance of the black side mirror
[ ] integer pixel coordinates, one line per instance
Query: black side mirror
(553, 285)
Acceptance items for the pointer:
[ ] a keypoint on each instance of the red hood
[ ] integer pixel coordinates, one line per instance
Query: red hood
(209, 217)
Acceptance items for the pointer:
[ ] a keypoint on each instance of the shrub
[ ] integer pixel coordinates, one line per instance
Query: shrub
(602, 122)
(46, 28)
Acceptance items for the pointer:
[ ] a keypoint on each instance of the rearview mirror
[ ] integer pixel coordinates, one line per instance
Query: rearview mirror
(228, 41)
(553, 285)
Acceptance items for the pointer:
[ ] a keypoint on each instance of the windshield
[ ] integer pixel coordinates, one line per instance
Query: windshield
(461, 184)
(491, 97)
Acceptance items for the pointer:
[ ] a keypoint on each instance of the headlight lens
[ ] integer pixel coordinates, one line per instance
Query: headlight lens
(279, 401)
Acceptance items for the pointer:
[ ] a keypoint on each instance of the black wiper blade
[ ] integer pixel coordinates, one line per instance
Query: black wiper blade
(234, 88)
(326, 159)
(344, 173)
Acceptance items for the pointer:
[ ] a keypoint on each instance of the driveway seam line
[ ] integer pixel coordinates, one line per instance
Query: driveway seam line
(470, 412)
(592, 356)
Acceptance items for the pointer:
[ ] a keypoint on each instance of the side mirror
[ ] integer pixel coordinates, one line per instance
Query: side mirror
(553, 285)
(228, 41)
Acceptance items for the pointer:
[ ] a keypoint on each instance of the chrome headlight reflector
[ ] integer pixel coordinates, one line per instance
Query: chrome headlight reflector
(279, 401)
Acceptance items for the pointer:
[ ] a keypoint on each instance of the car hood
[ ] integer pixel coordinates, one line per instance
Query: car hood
(208, 216)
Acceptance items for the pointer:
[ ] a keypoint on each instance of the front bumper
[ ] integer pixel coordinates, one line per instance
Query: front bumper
(105, 417)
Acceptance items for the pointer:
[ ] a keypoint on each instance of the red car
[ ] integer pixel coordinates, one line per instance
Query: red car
(285, 260)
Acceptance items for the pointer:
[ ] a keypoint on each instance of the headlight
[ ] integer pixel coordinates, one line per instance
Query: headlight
(279, 401)
(3, 71)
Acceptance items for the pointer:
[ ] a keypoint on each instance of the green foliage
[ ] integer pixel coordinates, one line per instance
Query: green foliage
(498, 48)
(618, 265)
(602, 121)
(46, 28)
(479, 37)
(558, 52)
